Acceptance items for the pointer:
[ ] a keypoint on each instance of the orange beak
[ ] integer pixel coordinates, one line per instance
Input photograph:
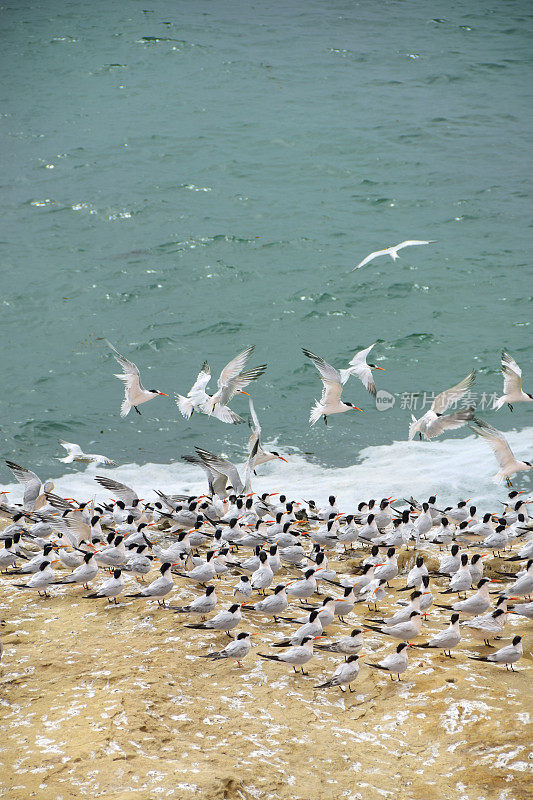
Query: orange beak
(246, 393)
(283, 459)
(355, 408)
(381, 368)
(164, 395)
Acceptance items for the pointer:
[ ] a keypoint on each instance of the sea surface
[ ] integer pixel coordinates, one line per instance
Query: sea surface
(187, 179)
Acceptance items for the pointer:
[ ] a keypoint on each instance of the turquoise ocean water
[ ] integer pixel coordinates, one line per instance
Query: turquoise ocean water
(190, 178)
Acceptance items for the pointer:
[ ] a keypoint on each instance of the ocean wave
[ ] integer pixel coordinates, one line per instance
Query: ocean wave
(452, 469)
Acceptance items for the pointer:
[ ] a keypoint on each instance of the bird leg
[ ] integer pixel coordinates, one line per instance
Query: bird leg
(304, 673)
(137, 410)
(510, 407)
(351, 690)
(325, 420)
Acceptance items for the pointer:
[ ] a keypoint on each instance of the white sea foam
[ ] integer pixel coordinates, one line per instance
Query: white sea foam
(452, 469)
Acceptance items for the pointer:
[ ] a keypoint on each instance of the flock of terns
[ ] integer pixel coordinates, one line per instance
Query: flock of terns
(236, 376)
(278, 560)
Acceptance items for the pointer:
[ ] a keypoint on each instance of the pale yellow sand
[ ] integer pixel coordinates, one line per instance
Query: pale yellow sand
(104, 701)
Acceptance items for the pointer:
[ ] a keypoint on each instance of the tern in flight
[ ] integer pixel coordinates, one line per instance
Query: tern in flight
(134, 391)
(262, 455)
(392, 251)
(505, 457)
(432, 422)
(231, 380)
(330, 402)
(512, 384)
(358, 366)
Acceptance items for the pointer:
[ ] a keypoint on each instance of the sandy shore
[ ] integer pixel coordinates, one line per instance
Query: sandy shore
(113, 701)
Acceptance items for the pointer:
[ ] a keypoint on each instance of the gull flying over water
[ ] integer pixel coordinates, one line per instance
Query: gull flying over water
(330, 402)
(75, 453)
(392, 251)
(134, 391)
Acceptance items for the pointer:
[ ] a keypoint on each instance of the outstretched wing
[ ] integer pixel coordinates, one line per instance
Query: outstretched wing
(224, 414)
(249, 466)
(411, 242)
(371, 257)
(234, 367)
(30, 481)
(327, 373)
(449, 422)
(123, 492)
(130, 372)
(496, 440)
(445, 399)
(330, 377)
(73, 527)
(360, 356)
(23, 475)
(238, 382)
(202, 380)
(71, 448)
(210, 474)
(512, 375)
(223, 467)
(59, 502)
(255, 427)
